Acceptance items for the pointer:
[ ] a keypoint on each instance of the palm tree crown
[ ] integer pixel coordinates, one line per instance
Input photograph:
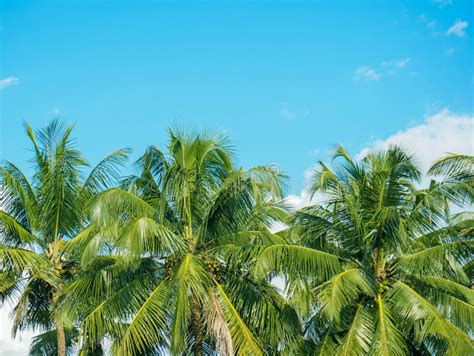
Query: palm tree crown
(179, 217)
(385, 262)
(37, 220)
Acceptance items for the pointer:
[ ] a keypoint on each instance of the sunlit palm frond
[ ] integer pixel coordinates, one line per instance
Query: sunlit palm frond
(359, 337)
(13, 231)
(442, 258)
(342, 290)
(388, 339)
(457, 177)
(415, 309)
(104, 175)
(243, 340)
(297, 261)
(18, 259)
(149, 324)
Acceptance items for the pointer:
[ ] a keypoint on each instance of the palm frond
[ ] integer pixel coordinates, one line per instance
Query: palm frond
(105, 174)
(45, 344)
(440, 258)
(358, 339)
(114, 204)
(148, 326)
(387, 338)
(190, 285)
(14, 231)
(428, 320)
(298, 261)
(145, 235)
(243, 341)
(342, 290)
(19, 259)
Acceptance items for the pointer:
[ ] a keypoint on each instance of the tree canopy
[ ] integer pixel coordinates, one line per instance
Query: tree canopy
(182, 257)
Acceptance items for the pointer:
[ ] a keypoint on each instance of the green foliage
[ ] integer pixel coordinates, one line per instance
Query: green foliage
(194, 215)
(181, 258)
(397, 282)
(37, 220)
(45, 344)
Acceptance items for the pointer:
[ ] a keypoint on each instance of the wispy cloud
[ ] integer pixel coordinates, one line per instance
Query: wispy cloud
(397, 63)
(458, 29)
(56, 111)
(449, 51)
(442, 3)
(366, 73)
(7, 82)
(431, 24)
(393, 66)
(286, 113)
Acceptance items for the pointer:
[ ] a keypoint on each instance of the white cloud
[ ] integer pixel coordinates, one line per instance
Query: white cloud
(393, 66)
(439, 134)
(442, 3)
(366, 73)
(9, 346)
(286, 113)
(432, 25)
(427, 21)
(299, 201)
(9, 81)
(397, 63)
(458, 28)
(449, 51)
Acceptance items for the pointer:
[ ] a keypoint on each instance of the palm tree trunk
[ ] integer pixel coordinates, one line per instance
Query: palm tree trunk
(198, 330)
(61, 338)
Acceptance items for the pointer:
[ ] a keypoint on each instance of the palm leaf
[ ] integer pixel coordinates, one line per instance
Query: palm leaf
(358, 338)
(298, 261)
(14, 231)
(343, 289)
(243, 341)
(148, 326)
(429, 321)
(387, 338)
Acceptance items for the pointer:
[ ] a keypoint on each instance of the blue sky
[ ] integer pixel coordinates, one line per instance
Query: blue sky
(285, 80)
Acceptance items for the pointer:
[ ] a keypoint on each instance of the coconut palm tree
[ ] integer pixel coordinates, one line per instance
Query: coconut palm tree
(37, 220)
(378, 265)
(457, 177)
(166, 236)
